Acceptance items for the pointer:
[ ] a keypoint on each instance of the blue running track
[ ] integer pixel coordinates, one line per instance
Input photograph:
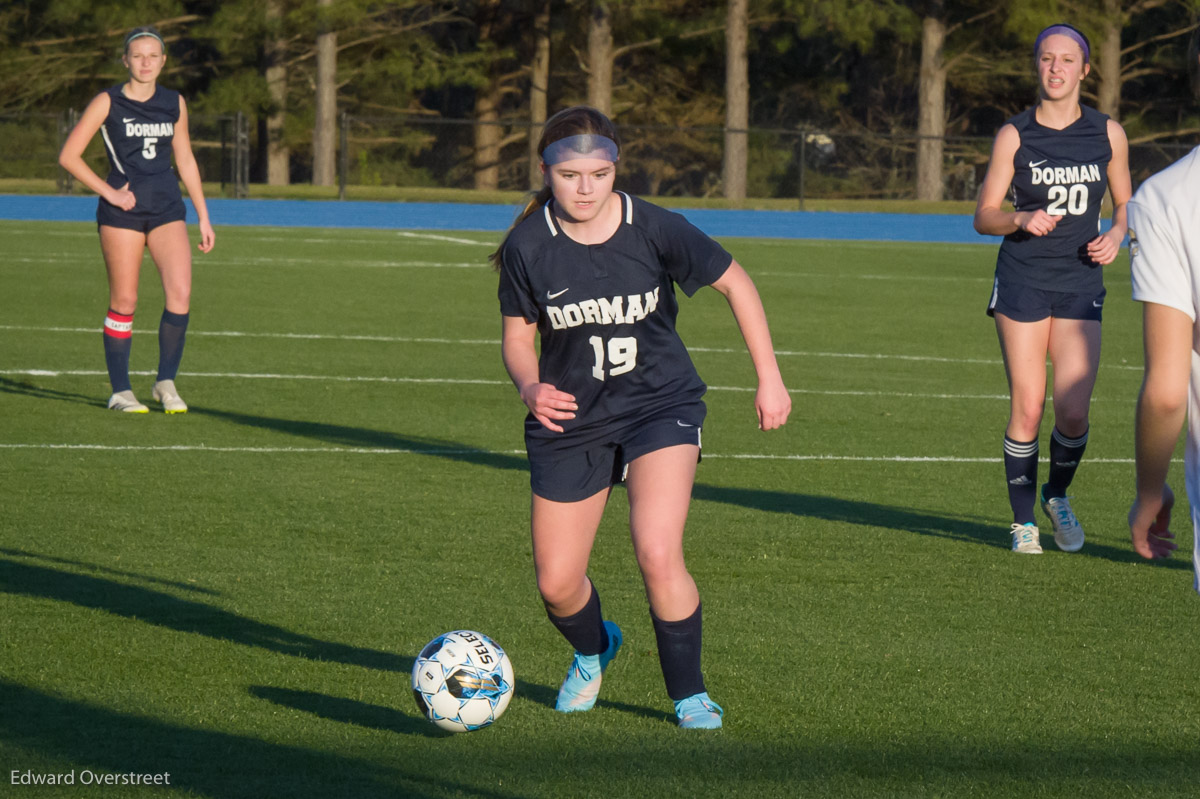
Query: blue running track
(497, 218)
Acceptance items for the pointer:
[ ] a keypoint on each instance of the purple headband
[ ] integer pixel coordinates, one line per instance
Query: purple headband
(586, 145)
(1064, 30)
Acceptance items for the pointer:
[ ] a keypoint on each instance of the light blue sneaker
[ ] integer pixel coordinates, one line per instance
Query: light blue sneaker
(582, 685)
(698, 712)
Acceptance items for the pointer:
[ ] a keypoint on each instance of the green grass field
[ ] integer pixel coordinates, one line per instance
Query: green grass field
(234, 596)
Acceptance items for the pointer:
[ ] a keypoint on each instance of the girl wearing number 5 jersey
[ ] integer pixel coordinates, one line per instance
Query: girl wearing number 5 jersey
(614, 395)
(143, 125)
(1058, 158)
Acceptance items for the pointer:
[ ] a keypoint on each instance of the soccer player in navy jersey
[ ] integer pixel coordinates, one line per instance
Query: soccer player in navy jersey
(143, 125)
(614, 395)
(1058, 158)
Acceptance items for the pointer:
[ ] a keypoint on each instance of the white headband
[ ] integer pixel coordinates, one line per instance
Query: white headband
(140, 34)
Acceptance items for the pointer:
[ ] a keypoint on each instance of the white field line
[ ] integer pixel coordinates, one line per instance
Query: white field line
(452, 239)
(516, 452)
(476, 382)
(267, 261)
(237, 334)
(219, 261)
(482, 382)
(264, 376)
(381, 238)
(857, 276)
(360, 264)
(871, 356)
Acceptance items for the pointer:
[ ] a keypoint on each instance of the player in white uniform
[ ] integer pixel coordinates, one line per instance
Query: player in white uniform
(1164, 250)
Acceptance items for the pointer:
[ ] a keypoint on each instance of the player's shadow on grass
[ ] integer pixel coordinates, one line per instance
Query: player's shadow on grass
(346, 436)
(199, 761)
(27, 389)
(21, 553)
(22, 578)
(806, 505)
(46, 730)
(361, 714)
(348, 711)
(894, 518)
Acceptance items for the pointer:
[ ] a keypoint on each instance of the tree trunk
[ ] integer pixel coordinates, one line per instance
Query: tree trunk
(1106, 66)
(487, 112)
(539, 81)
(931, 113)
(737, 101)
(487, 138)
(278, 154)
(600, 57)
(325, 124)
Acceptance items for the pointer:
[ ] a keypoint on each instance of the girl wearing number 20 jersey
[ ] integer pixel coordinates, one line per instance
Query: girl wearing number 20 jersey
(1058, 159)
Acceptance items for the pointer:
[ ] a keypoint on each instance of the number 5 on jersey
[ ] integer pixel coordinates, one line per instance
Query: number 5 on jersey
(621, 352)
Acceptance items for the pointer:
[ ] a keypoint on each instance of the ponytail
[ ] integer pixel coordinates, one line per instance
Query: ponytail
(536, 201)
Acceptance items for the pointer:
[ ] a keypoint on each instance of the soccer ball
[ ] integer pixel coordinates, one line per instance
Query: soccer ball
(462, 681)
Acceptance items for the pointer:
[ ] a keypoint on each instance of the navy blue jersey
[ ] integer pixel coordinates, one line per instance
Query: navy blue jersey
(1065, 173)
(606, 313)
(138, 138)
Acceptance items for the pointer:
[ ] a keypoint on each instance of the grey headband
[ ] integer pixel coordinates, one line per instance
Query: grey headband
(140, 34)
(586, 145)
(1070, 33)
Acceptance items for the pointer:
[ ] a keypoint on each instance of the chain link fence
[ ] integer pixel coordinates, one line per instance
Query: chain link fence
(32, 142)
(411, 151)
(664, 161)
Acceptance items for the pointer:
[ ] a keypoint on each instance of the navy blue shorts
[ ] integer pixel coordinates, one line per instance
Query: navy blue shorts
(112, 216)
(576, 474)
(1028, 304)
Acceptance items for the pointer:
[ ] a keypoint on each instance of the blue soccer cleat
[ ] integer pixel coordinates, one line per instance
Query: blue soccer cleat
(698, 712)
(582, 685)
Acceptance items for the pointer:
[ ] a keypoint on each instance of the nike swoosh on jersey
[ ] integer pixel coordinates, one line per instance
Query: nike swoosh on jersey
(683, 424)
(1097, 304)
(1039, 163)
(556, 294)
(128, 119)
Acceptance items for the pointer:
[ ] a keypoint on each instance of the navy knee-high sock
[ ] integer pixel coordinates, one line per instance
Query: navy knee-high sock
(679, 654)
(1020, 469)
(172, 330)
(118, 341)
(584, 630)
(1065, 455)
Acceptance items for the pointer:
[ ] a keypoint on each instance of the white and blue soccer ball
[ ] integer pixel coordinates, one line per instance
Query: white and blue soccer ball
(462, 681)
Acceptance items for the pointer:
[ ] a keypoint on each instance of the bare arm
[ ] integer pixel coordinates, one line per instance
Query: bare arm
(71, 156)
(990, 217)
(1162, 406)
(544, 401)
(771, 401)
(189, 173)
(1104, 248)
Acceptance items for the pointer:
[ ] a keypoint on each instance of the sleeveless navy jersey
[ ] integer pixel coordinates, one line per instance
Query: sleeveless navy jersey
(606, 314)
(1065, 173)
(138, 138)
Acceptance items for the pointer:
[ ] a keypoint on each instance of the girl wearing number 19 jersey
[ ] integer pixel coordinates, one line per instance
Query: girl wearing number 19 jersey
(613, 395)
